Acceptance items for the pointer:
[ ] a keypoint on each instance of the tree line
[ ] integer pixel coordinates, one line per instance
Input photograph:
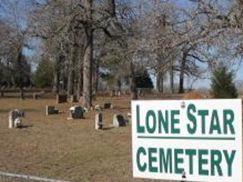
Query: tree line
(82, 42)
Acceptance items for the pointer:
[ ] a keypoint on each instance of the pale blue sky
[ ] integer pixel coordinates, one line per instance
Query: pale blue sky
(182, 3)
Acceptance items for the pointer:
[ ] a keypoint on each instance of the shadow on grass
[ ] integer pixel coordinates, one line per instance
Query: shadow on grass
(25, 110)
(122, 108)
(108, 128)
(4, 111)
(25, 126)
(30, 110)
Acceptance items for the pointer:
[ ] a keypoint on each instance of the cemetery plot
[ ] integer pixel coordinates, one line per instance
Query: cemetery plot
(73, 150)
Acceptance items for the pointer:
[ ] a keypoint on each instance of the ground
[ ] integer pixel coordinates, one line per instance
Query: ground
(54, 147)
(72, 150)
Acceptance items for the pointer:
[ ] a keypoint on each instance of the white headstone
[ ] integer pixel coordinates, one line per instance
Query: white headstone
(97, 108)
(17, 122)
(118, 121)
(98, 121)
(10, 120)
(14, 120)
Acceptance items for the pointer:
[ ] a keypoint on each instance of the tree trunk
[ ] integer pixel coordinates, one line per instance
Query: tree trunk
(87, 74)
(160, 82)
(70, 81)
(56, 84)
(21, 93)
(96, 75)
(88, 58)
(133, 86)
(79, 80)
(71, 75)
(20, 73)
(112, 7)
(119, 84)
(182, 71)
(171, 77)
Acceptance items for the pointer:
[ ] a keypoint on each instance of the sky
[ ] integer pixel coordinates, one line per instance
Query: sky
(182, 3)
(204, 83)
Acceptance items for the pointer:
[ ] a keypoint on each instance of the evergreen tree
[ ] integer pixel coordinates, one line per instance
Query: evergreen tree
(21, 72)
(143, 80)
(222, 83)
(44, 74)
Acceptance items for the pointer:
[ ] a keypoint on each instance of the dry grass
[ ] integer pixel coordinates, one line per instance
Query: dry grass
(53, 147)
(195, 95)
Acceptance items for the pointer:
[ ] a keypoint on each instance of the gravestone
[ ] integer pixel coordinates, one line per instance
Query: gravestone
(38, 95)
(119, 93)
(108, 105)
(61, 98)
(98, 121)
(85, 109)
(14, 119)
(112, 93)
(97, 108)
(118, 120)
(51, 110)
(129, 116)
(76, 112)
(73, 98)
(35, 96)
(2, 93)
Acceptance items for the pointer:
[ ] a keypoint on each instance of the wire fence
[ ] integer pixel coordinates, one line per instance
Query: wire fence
(10, 177)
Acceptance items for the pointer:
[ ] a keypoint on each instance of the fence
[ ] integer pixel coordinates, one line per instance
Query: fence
(10, 177)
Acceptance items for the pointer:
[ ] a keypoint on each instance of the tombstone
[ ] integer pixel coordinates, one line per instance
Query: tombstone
(38, 95)
(14, 119)
(119, 93)
(35, 96)
(61, 98)
(108, 106)
(76, 112)
(97, 108)
(98, 121)
(112, 93)
(85, 109)
(129, 116)
(21, 94)
(140, 92)
(73, 98)
(2, 93)
(118, 121)
(51, 110)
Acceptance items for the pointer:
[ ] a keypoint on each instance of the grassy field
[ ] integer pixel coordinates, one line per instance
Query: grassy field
(72, 150)
(54, 147)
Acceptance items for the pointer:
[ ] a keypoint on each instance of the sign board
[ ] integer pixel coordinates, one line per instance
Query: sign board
(190, 140)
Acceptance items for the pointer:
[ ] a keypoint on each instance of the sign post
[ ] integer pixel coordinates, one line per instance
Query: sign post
(191, 140)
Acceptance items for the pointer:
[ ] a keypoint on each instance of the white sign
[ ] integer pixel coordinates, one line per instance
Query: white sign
(190, 140)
